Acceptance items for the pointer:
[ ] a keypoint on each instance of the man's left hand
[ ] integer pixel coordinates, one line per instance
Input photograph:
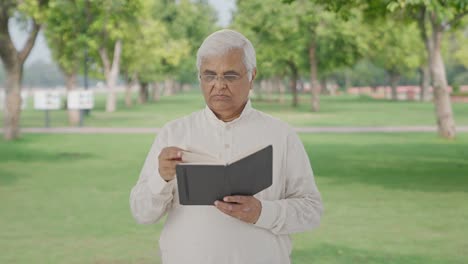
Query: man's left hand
(244, 208)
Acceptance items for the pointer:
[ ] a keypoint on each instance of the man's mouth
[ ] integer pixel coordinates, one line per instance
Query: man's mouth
(220, 97)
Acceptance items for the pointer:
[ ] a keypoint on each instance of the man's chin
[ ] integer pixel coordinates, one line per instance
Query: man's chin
(220, 105)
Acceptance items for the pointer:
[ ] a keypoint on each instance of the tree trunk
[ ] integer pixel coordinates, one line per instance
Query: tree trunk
(314, 83)
(156, 92)
(169, 87)
(144, 93)
(263, 88)
(424, 82)
(129, 84)
(293, 83)
(347, 79)
(12, 110)
(177, 87)
(275, 86)
(443, 105)
(111, 72)
(128, 94)
(73, 114)
(13, 61)
(282, 90)
(323, 86)
(394, 80)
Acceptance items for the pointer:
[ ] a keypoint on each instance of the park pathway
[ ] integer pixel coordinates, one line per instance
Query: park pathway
(143, 130)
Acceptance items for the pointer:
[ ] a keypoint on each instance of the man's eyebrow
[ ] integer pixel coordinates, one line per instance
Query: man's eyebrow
(209, 72)
(231, 72)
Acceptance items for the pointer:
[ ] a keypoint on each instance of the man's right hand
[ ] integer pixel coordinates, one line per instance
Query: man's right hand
(168, 159)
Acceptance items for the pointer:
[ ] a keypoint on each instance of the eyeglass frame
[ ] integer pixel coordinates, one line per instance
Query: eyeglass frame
(223, 78)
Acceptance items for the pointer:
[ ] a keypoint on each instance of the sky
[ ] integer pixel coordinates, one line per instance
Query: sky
(42, 52)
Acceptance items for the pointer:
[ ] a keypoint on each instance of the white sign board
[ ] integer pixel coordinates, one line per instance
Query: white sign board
(24, 100)
(46, 100)
(83, 99)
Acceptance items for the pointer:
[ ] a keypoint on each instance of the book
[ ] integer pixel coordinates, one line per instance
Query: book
(202, 179)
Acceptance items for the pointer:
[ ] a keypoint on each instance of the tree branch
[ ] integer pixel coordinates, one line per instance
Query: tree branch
(8, 51)
(23, 54)
(105, 61)
(457, 18)
(117, 52)
(422, 24)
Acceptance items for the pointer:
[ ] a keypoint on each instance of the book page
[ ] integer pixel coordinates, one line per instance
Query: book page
(245, 154)
(199, 158)
(193, 157)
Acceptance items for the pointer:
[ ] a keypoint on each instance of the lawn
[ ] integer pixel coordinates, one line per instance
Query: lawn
(342, 110)
(389, 198)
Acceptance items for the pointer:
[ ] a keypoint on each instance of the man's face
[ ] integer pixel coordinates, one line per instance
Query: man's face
(225, 96)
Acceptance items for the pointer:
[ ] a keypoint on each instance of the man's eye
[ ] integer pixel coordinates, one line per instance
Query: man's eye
(231, 78)
(209, 78)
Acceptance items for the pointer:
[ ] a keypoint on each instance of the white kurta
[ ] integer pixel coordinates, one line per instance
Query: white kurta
(203, 234)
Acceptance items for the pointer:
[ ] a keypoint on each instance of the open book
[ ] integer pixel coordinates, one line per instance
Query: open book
(203, 179)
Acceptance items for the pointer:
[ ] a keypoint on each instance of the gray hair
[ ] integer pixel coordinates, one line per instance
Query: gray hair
(222, 41)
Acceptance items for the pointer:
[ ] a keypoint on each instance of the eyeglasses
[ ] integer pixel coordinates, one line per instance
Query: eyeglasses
(210, 78)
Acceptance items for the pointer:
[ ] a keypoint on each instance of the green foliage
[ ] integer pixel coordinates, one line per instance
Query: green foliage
(365, 73)
(34, 9)
(165, 41)
(188, 22)
(282, 33)
(109, 21)
(274, 31)
(66, 33)
(396, 47)
(443, 11)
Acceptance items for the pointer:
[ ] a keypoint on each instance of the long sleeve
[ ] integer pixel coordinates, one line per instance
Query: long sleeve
(301, 209)
(152, 196)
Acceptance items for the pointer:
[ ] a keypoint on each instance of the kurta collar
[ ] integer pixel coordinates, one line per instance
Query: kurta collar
(245, 112)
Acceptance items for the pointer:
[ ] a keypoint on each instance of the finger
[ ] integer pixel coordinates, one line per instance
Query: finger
(171, 163)
(222, 208)
(171, 153)
(169, 172)
(237, 199)
(230, 207)
(235, 214)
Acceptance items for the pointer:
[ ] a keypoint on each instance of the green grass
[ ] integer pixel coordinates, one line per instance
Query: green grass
(335, 111)
(389, 198)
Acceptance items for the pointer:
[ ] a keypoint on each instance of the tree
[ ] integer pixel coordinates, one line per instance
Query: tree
(396, 48)
(302, 36)
(333, 42)
(110, 21)
(188, 22)
(436, 17)
(32, 12)
(192, 21)
(65, 33)
(274, 30)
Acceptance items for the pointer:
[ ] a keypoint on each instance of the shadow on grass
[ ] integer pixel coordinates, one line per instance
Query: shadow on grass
(432, 167)
(7, 177)
(19, 154)
(20, 151)
(327, 253)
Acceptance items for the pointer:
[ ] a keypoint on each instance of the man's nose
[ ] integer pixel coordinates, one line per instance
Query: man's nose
(219, 82)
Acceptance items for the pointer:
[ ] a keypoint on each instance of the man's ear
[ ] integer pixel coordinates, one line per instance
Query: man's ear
(254, 74)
